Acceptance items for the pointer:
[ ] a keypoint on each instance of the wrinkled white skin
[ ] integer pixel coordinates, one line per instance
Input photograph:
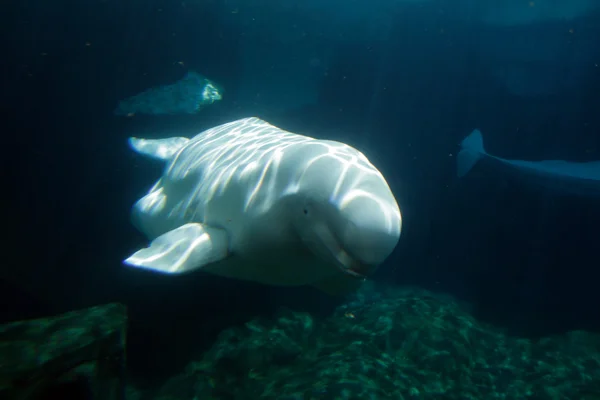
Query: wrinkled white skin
(296, 210)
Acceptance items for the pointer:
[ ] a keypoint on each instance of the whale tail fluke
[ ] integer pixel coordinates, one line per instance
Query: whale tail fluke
(471, 152)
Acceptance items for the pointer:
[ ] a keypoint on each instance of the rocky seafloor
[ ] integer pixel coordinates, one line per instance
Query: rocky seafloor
(387, 343)
(80, 354)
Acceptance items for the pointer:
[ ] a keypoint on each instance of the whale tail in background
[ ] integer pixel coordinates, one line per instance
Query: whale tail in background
(472, 150)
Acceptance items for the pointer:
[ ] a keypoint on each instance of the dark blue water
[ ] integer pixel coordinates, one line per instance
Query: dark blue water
(404, 83)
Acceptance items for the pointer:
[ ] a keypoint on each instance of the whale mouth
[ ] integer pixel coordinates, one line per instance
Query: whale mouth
(329, 247)
(348, 265)
(352, 273)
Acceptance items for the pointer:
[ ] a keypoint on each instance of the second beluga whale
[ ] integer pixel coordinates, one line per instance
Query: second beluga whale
(578, 178)
(189, 95)
(251, 201)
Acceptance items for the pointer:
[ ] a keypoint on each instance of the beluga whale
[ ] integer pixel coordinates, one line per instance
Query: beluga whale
(575, 178)
(189, 95)
(251, 201)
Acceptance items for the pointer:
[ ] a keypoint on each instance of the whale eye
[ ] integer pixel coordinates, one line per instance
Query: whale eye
(307, 208)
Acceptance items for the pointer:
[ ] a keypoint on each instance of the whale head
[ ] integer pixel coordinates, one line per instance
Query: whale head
(347, 215)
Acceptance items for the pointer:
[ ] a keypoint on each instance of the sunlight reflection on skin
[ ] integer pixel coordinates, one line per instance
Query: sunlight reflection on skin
(254, 152)
(235, 175)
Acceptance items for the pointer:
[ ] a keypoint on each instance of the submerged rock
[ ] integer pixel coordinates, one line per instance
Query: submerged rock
(80, 354)
(396, 344)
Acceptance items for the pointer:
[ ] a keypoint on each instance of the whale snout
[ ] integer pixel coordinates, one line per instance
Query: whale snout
(371, 233)
(355, 234)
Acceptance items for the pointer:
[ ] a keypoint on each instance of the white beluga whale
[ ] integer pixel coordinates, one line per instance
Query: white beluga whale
(251, 201)
(578, 178)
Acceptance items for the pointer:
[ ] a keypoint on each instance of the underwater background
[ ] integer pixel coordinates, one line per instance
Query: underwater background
(492, 291)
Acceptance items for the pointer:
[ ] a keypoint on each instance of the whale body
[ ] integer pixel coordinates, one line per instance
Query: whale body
(251, 201)
(577, 178)
(189, 95)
